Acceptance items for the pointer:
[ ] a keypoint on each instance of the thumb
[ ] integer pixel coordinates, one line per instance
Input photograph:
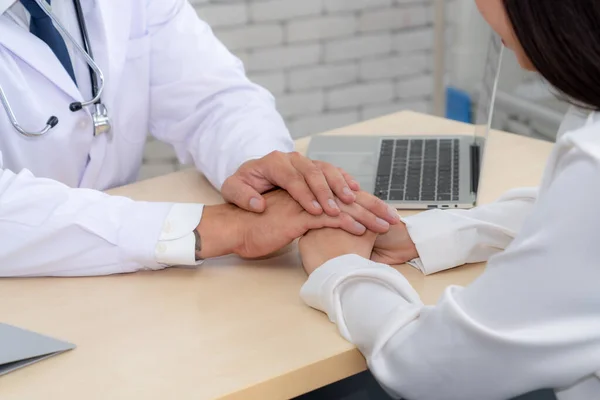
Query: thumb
(384, 257)
(238, 192)
(376, 257)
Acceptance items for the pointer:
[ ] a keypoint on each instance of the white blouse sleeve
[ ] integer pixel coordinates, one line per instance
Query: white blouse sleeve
(531, 321)
(449, 238)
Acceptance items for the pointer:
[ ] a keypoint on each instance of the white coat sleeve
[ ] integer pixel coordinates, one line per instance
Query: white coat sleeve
(531, 321)
(449, 238)
(49, 229)
(201, 100)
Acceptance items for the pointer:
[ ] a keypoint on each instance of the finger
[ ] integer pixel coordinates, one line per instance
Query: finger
(378, 207)
(282, 173)
(316, 183)
(343, 221)
(365, 217)
(336, 181)
(236, 191)
(353, 183)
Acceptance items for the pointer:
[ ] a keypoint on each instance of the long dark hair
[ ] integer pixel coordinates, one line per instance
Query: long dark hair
(562, 40)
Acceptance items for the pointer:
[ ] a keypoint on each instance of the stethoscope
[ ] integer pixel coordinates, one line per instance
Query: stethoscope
(99, 113)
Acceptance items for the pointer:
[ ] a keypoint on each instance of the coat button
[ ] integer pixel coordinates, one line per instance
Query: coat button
(83, 123)
(161, 248)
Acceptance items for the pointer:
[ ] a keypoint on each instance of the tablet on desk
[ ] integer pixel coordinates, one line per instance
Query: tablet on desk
(20, 347)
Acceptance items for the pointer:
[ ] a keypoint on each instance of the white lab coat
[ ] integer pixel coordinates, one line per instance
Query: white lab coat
(531, 321)
(166, 74)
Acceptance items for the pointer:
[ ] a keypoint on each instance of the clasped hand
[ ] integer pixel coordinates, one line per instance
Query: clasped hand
(227, 229)
(321, 245)
(315, 196)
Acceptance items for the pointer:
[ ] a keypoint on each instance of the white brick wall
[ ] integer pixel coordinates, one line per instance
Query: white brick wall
(321, 27)
(328, 62)
(323, 76)
(322, 57)
(359, 95)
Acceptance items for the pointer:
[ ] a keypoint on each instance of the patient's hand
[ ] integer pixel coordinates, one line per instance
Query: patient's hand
(319, 246)
(395, 247)
(227, 229)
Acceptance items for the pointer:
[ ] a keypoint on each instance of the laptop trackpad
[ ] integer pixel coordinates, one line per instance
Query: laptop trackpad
(361, 166)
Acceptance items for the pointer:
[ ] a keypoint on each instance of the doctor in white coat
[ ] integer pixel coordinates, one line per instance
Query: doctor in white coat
(532, 320)
(164, 73)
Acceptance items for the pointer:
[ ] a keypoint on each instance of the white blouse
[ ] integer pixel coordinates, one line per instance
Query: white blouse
(531, 321)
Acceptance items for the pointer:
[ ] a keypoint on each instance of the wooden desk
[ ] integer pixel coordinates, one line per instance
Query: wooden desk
(229, 330)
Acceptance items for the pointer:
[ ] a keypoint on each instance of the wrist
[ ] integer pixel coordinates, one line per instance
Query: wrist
(218, 231)
(331, 254)
(411, 252)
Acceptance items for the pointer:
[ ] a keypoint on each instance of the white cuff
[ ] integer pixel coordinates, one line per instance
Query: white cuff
(176, 244)
(322, 290)
(139, 231)
(437, 236)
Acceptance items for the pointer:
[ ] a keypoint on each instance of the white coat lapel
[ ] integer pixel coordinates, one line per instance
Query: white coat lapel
(108, 25)
(36, 54)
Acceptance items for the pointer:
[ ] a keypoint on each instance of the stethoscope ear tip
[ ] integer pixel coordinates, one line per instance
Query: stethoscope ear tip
(52, 121)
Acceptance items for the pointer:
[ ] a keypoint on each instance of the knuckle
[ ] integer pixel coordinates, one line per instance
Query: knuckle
(297, 189)
(346, 175)
(347, 222)
(375, 206)
(339, 183)
(322, 191)
(378, 203)
(328, 168)
(346, 218)
(294, 155)
(363, 215)
(231, 182)
(242, 170)
(276, 156)
(227, 181)
(295, 177)
(313, 172)
(290, 175)
(371, 201)
(310, 222)
(334, 174)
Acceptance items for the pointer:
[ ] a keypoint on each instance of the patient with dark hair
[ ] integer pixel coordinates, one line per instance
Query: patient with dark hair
(532, 320)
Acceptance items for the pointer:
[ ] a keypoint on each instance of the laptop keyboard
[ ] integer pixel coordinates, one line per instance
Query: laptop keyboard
(418, 170)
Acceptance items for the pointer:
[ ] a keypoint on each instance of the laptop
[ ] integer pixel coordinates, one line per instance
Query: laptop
(420, 172)
(20, 348)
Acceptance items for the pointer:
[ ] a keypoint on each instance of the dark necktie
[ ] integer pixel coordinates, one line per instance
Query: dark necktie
(42, 27)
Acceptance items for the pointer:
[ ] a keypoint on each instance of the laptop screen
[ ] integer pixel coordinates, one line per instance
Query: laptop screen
(486, 95)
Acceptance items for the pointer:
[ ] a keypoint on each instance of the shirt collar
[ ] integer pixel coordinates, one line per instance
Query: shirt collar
(5, 5)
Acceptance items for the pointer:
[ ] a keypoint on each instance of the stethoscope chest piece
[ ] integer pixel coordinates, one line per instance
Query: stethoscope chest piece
(101, 120)
(100, 114)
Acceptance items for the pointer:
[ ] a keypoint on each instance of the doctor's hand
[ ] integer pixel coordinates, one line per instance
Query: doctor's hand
(319, 246)
(227, 229)
(395, 247)
(313, 184)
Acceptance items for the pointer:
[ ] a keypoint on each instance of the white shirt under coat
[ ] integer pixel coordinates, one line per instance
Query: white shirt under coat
(531, 321)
